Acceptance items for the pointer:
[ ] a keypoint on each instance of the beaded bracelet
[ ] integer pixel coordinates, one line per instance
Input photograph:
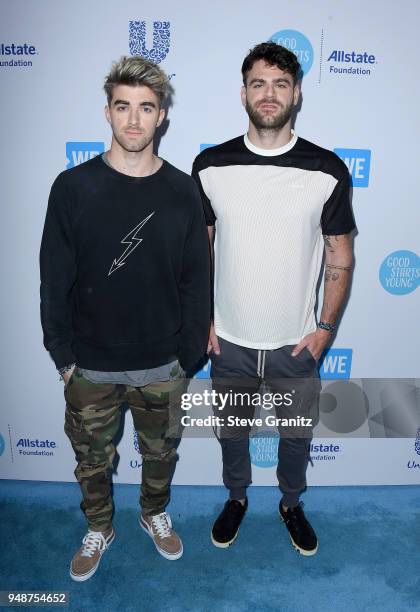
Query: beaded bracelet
(65, 369)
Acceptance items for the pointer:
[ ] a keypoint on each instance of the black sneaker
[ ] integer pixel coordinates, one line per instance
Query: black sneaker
(226, 526)
(302, 535)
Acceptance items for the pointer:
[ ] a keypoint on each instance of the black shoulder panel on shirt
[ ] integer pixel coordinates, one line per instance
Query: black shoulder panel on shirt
(305, 155)
(82, 170)
(226, 154)
(314, 157)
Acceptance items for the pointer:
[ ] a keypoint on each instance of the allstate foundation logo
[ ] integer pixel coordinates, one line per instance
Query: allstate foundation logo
(18, 55)
(351, 62)
(336, 363)
(358, 163)
(35, 446)
(161, 40)
(299, 45)
(399, 273)
(79, 152)
(1, 445)
(263, 449)
(324, 452)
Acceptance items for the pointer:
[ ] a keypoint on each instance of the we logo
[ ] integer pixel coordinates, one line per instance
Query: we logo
(79, 152)
(336, 363)
(358, 163)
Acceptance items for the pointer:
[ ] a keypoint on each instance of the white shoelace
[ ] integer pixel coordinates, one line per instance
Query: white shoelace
(93, 540)
(162, 524)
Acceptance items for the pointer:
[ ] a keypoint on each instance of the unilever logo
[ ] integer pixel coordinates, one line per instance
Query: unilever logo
(399, 273)
(136, 442)
(414, 465)
(358, 163)
(136, 463)
(161, 40)
(2, 445)
(263, 449)
(299, 45)
(417, 442)
(79, 152)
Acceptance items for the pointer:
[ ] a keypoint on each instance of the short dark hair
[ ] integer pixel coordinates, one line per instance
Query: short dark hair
(274, 55)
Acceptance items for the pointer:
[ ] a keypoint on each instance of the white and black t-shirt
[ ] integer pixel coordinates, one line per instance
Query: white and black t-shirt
(270, 208)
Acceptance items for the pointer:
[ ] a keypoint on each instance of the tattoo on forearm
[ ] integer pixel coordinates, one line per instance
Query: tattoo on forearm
(327, 240)
(346, 268)
(331, 276)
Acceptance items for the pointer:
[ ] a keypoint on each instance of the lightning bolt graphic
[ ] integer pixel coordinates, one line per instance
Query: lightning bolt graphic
(132, 241)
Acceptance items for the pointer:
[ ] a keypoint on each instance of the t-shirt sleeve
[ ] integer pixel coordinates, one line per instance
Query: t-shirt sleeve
(205, 200)
(337, 215)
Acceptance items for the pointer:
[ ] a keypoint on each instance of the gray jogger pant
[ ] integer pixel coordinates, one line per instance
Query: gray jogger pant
(240, 370)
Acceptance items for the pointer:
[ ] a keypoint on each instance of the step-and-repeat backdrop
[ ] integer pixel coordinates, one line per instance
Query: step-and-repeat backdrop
(359, 98)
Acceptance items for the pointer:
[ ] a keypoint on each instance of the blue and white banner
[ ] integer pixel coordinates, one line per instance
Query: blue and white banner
(359, 98)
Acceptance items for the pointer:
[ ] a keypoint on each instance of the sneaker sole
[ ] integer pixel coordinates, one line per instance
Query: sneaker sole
(164, 554)
(302, 551)
(83, 577)
(223, 544)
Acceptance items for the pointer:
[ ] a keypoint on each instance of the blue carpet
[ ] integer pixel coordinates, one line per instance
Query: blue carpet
(368, 556)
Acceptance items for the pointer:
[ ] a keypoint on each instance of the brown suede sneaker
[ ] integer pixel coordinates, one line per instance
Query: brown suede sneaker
(86, 561)
(159, 528)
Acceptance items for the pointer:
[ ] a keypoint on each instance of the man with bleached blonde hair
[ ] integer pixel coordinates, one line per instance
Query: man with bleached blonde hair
(125, 296)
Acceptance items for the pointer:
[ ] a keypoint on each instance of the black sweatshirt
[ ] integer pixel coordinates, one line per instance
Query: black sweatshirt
(124, 269)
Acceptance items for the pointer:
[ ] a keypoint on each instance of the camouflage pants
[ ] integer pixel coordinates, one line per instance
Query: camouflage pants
(93, 414)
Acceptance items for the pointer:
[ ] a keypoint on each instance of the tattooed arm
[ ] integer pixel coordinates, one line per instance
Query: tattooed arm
(338, 267)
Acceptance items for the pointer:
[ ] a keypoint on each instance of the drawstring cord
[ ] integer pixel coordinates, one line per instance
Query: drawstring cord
(261, 363)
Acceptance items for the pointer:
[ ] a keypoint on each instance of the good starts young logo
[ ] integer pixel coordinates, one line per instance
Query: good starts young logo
(263, 449)
(298, 44)
(399, 273)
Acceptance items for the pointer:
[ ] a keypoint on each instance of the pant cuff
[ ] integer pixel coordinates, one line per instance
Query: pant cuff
(152, 511)
(290, 500)
(238, 493)
(102, 528)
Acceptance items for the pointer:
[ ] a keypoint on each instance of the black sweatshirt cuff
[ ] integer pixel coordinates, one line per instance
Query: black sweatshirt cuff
(62, 356)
